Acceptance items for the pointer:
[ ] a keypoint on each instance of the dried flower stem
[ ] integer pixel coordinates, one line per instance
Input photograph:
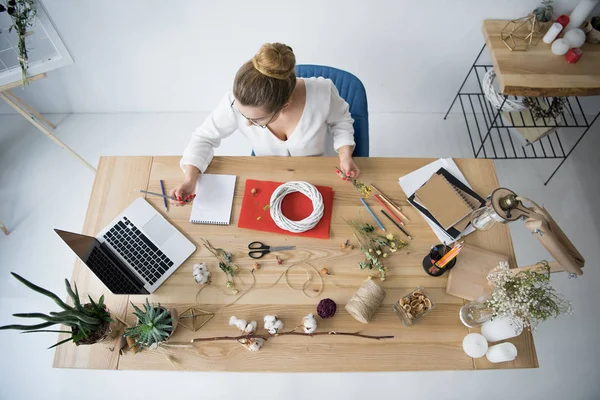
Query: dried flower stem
(290, 333)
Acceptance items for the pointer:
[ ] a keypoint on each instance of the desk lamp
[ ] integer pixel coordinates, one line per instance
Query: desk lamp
(505, 206)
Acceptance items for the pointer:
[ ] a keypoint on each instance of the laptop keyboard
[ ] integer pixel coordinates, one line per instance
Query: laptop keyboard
(138, 250)
(103, 267)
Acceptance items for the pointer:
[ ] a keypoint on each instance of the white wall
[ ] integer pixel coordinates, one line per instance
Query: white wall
(151, 56)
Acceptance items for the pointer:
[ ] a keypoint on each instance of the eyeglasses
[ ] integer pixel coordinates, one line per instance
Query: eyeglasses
(255, 121)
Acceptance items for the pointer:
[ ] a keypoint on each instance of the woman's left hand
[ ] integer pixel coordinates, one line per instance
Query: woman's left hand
(348, 166)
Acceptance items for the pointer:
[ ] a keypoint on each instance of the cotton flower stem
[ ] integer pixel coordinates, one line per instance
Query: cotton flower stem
(290, 333)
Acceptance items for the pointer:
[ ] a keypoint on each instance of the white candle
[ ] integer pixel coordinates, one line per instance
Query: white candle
(475, 345)
(575, 37)
(560, 47)
(552, 33)
(500, 329)
(580, 13)
(501, 353)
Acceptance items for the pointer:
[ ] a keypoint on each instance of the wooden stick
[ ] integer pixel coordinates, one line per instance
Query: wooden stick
(291, 333)
(391, 203)
(20, 83)
(29, 109)
(3, 228)
(44, 130)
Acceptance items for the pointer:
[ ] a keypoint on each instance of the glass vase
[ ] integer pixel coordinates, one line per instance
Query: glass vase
(475, 313)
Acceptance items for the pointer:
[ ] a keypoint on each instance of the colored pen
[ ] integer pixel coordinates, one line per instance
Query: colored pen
(388, 209)
(391, 203)
(162, 189)
(397, 225)
(372, 214)
(449, 256)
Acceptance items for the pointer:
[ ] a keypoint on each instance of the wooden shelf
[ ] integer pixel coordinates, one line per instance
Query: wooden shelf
(537, 71)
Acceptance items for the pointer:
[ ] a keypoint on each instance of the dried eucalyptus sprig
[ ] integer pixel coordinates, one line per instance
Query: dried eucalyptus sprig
(225, 264)
(526, 296)
(375, 247)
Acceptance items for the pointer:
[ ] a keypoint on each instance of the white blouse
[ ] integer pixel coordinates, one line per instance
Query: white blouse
(324, 112)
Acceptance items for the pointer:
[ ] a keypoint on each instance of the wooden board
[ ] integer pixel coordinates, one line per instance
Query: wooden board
(538, 72)
(435, 342)
(468, 278)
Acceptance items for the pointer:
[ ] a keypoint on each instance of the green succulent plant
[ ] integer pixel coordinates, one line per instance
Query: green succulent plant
(545, 12)
(87, 321)
(154, 325)
(596, 23)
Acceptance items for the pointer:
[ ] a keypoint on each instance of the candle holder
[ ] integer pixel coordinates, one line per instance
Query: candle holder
(523, 33)
(436, 253)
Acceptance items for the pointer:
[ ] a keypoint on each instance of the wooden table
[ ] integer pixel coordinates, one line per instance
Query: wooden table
(537, 71)
(433, 343)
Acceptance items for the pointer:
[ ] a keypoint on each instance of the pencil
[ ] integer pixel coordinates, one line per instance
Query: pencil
(449, 256)
(372, 214)
(387, 208)
(162, 189)
(391, 203)
(395, 223)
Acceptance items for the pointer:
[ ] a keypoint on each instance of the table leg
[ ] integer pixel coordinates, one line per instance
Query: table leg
(10, 101)
(29, 109)
(3, 228)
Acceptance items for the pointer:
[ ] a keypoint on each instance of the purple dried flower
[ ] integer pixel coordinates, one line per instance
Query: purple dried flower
(326, 308)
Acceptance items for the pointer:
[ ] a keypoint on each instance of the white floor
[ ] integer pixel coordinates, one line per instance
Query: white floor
(42, 187)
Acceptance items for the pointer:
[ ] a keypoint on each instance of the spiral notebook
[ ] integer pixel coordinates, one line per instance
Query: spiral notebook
(214, 199)
(447, 203)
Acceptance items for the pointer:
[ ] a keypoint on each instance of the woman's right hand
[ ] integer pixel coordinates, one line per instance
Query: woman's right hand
(184, 193)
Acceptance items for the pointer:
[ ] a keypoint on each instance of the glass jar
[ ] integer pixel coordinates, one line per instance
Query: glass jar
(475, 313)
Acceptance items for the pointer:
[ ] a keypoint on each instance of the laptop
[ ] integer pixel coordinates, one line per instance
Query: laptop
(135, 253)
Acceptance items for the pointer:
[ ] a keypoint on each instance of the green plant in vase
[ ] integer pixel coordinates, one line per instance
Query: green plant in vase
(22, 13)
(89, 323)
(154, 325)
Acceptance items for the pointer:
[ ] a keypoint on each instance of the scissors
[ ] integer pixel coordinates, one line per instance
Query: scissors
(259, 249)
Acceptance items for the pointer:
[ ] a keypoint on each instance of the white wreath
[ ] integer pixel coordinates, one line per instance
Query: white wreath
(297, 226)
(497, 98)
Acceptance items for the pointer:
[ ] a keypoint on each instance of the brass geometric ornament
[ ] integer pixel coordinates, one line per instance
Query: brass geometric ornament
(523, 33)
(195, 318)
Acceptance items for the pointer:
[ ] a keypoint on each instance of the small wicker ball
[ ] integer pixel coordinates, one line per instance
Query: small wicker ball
(326, 308)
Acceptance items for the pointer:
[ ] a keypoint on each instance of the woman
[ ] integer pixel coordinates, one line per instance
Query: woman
(279, 114)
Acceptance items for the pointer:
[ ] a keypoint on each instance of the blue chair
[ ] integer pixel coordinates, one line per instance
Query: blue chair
(352, 90)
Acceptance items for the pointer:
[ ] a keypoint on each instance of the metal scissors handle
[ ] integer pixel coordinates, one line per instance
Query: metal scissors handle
(259, 249)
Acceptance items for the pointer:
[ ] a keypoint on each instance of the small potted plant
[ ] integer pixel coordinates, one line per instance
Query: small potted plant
(592, 30)
(544, 15)
(90, 323)
(154, 325)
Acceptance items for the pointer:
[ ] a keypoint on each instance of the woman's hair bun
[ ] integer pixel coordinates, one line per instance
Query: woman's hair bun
(275, 60)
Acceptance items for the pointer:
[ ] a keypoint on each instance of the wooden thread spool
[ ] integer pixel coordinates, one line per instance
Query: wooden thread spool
(365, 301)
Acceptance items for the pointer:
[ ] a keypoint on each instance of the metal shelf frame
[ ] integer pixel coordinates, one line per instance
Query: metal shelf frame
(490, 135)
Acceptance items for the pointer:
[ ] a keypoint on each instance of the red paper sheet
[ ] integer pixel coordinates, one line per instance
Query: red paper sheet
(295, 206)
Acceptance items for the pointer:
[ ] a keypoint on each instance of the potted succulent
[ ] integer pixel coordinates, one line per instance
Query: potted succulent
(154, 325)
(544, 15)
(90, 323)
(592, 30)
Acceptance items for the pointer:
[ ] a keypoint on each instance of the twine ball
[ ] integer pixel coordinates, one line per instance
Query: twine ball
(365, 301)
(326, 308)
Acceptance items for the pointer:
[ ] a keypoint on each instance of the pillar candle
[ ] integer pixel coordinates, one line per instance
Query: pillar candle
(575, 37)
(560, 47)
(500, 329)
(580, 13)
(552, 33)
(475, 345)
(573, 55)
(501, 353)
